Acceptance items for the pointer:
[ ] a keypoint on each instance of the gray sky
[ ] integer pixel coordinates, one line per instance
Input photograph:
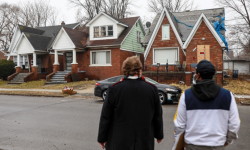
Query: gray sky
(67, 12)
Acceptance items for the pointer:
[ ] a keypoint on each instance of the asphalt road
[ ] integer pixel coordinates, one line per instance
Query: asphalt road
(41, 123)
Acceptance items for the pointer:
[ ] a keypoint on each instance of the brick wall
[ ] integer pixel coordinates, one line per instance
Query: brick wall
(159, 43)
(2, 56)
(103, 72)
(215, 49)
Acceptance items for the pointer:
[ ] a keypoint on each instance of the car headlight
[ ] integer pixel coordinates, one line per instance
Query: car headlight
(171, 90)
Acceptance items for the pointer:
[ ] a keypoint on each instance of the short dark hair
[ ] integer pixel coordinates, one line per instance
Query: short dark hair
(131, 66)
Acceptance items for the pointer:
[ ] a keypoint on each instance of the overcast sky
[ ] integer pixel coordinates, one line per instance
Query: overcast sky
(67, 12)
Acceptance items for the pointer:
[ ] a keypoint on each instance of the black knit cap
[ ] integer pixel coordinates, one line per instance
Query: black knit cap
(204, 67)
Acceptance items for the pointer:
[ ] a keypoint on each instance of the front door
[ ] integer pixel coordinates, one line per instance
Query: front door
(203, 52)
(69, 59)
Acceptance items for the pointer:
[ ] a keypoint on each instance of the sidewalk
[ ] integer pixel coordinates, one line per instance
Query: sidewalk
(89, 90)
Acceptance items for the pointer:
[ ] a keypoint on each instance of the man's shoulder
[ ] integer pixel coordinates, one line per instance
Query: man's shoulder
(115, 84)
(148, 83)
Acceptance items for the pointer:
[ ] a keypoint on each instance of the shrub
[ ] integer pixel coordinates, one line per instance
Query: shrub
(7, 67)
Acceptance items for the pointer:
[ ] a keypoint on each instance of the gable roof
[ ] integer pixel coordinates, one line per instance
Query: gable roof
(129, 21)
(118, 21)
(30, 30)
(184, 25)
(157, 27)
(52, 31)
(38, 42)
(77, 37)
(195, 28)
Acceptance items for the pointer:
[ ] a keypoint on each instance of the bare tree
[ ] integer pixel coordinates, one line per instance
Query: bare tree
(38, 13)
(171, 5)
(115, 8)
(239, 37)
(8, 20)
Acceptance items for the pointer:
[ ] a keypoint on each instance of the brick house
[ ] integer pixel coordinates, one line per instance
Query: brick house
(184, 38)
(95, 50)
(30, 51)
(3, 54)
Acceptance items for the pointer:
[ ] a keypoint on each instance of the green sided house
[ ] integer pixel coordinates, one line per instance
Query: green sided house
(94, 51)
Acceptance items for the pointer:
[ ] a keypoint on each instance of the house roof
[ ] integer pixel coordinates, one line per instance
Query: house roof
(38, 42)
(52, 31)
(118, 21)
(129, 22)
(184, 20)
(77, 37)
(30, 30)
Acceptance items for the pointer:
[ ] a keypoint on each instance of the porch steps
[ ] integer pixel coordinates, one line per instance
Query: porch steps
(58, 77)
(18, 78)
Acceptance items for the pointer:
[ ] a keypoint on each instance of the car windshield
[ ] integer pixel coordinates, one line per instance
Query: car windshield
(151, 81)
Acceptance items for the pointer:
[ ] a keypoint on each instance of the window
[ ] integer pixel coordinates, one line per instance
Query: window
(165, 55)
(138, 37)
(96, 31)
(15, 60)
(24, 61)
(100, 58)
(110, 30)
(103, 31)
(165, 32)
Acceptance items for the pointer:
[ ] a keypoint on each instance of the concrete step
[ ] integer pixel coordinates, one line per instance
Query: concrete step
(58, 77)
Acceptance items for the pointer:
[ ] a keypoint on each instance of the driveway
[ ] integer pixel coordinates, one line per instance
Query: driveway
(41, 123)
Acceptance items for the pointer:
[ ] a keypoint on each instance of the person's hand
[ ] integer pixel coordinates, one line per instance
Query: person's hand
(225, 144)
(159, 140)
(102, 145)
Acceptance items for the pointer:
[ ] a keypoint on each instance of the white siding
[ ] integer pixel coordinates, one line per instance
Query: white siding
(242, 67)
(63, 41)
(119, 30)
(225, 65)
(24, 47)
(15, 40)
(103, 21)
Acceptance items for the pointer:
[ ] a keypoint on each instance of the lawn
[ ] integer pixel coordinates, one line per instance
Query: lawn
(41, 85)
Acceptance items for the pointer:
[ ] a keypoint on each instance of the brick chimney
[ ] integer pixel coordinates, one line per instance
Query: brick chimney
(63, 23)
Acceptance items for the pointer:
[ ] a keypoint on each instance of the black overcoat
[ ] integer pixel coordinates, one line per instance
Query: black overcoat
(131, 116)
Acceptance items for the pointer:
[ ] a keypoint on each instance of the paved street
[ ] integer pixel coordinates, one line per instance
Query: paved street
(41, 123)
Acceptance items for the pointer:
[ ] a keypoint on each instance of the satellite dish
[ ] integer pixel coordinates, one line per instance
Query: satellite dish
(148, 24)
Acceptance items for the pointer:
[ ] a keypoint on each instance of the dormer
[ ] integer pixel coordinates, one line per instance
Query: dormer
(104, 27)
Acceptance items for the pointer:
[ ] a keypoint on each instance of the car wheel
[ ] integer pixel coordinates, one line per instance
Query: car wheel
(162, 97)
(104, 93)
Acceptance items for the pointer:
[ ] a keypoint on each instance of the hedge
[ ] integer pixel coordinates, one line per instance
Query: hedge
(7, 67)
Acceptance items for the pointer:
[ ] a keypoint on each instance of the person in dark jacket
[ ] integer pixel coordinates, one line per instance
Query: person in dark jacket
(207, 113)
(131, 116)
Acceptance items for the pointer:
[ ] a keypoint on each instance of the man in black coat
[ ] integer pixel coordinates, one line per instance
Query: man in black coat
(131, 115)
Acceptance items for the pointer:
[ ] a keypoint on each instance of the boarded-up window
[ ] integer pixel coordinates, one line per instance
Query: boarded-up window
(163, 56)
(165, 32)
(203, 52)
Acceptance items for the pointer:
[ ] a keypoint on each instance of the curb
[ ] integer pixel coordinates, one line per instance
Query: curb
(32, 95)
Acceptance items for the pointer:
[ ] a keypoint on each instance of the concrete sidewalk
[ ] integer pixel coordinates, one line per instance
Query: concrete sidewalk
(89, 90)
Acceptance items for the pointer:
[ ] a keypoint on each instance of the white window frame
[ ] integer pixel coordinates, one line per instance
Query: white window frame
(100, 64)
(168, 32)
(170, 48)
(138, 37)
(106, 30)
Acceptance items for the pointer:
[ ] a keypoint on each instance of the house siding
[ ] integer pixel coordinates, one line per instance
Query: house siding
(63, 41)
(159, 43)
(24, 46)
(103, 21)
(130, 42)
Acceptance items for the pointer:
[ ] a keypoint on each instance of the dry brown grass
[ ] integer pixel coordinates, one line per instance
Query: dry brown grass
(40, 85)
(76, 85)
(28, 85)
(182, 86)
(241, 87)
